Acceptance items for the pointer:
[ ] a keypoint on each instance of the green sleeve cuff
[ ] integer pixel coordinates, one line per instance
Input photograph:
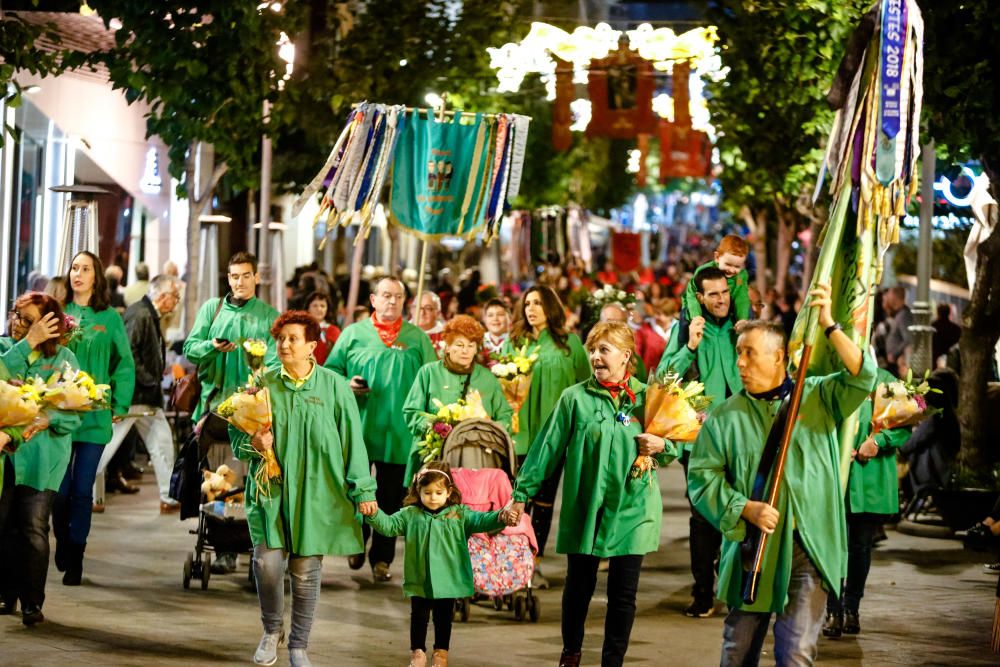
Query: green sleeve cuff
(732, 526)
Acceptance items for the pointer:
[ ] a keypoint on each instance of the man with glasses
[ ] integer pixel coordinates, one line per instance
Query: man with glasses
(381, 357)
(215, 347)
(142, 321)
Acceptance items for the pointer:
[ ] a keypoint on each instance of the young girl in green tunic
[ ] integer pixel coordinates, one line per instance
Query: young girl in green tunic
(437, 569)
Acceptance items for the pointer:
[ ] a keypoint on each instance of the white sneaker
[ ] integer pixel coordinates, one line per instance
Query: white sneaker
(267, 650)
(297, 658)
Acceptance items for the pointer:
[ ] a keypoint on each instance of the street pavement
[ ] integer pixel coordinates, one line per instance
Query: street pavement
(928, 603)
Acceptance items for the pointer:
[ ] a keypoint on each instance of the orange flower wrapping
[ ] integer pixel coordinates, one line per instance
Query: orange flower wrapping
(15, 408)
(515, 391)
(248, 412)
(673, 418)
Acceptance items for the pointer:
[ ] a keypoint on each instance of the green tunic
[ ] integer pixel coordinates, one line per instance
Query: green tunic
(437, 564)
(390, 372)
(724, 463)
(873, 486)
(221, 374)
(604, 511)
(325, 471)
(41, 462)
(103, 350)
(555, 371)
(716, 356)
(436, 381)
(739, 293)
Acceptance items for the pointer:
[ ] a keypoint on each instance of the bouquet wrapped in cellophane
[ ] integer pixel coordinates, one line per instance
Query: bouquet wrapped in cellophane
(441, 423)
(20, 401)
(75, 391)
(514, 373)
(675, 411)
(249, 410)
(901, 403)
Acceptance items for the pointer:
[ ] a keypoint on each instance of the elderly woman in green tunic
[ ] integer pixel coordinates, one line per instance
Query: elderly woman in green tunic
(451, 379)
(540, 320)
(312, 510)
(33, 474)
(611, 508)
(872, 498)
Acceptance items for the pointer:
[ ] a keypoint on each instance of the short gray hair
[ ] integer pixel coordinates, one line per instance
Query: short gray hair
(161, 284)
(142, 271)
(434, 297)
(773, 331)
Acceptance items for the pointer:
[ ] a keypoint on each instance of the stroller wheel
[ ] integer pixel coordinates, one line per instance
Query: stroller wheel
(188, 565)
(498, 603)
(508, 600)
(206, 571)
(533, 608)
(519, 608)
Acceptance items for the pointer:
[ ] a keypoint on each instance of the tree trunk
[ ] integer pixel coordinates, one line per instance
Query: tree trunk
(783, 250)
(758, 227)
(198, 195)
(980, 331)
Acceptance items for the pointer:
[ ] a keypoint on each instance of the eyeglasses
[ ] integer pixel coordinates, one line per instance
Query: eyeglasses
(14, 315)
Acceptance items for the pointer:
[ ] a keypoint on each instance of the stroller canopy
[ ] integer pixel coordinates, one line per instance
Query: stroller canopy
(480, 443)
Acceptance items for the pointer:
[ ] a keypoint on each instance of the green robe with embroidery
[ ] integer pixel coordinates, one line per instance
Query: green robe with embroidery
(390, 372)
(325, 470)
(436, 564)
(555, 371)
(604, 511)
(739, 293)
(721, 473)
(436, 381)
(103, 350)
(873, 486)
(222, 373)
(41, 462)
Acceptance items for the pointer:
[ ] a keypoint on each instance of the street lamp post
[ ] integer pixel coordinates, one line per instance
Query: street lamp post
(922, 332)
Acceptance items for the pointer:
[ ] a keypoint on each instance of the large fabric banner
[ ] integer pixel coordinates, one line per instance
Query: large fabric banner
(441, 176)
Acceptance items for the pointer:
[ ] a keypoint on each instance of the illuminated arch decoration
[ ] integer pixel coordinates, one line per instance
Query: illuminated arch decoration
(621, 95)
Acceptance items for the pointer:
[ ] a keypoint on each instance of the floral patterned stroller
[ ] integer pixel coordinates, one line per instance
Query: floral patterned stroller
(483, 461)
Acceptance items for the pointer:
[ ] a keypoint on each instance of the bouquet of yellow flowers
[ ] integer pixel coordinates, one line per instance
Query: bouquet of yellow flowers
(514, 373)
(441, 423)
(249, 410)
(75, 391)
(675, 411)
(901, 403)
(20, 401)
(254, 351)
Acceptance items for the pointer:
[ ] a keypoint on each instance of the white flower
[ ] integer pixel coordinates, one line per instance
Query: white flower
(621, 294)
(599, 294)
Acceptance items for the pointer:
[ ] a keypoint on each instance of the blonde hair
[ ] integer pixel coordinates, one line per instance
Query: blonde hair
(618, 334)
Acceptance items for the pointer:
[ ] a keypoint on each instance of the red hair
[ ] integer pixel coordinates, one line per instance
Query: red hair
(46, 304)
(312, 331)
(463, 325)
(733, 245)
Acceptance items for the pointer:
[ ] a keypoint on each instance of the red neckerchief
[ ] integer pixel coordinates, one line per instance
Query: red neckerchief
(615, 387)
(387, 332)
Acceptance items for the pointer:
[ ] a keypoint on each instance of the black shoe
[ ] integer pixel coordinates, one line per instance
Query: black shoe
(833, 628)
(224, 564)
(32, 616)
(700, 609)
(120, 484)
(992, 568)
(132, 472)
(60, 555)
(8, 607)
(74, 564)
(357, 561)
(570, 659)
(852, 623)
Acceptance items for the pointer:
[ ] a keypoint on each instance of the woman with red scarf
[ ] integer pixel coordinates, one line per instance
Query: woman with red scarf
(611, 505)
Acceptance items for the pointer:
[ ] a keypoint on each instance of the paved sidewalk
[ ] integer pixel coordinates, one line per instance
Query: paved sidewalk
(928, 603)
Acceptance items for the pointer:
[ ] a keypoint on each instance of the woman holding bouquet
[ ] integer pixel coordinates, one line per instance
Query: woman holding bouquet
(32, 474)
(540, 319)
(611, 505)
(872, 499)
(103, 349)
(310, 511)
(452, 378)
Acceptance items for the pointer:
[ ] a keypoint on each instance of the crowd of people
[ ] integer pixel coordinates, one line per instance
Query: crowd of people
(349, 392)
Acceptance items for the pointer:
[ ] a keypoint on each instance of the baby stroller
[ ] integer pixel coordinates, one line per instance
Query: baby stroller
(222, 528)
(481, 455)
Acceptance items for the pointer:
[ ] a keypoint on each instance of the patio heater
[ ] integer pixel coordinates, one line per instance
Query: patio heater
(79, 230)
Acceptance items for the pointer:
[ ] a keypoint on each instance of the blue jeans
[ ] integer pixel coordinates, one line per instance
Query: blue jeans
(74, 505)
(24, 542)
(796, 630)
(306, 576)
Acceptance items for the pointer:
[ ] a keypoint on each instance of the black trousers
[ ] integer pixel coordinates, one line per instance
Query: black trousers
(623, 584)
(389, 495)
(420, 615)
(24, 541)
(704, 544)
(861, 531)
